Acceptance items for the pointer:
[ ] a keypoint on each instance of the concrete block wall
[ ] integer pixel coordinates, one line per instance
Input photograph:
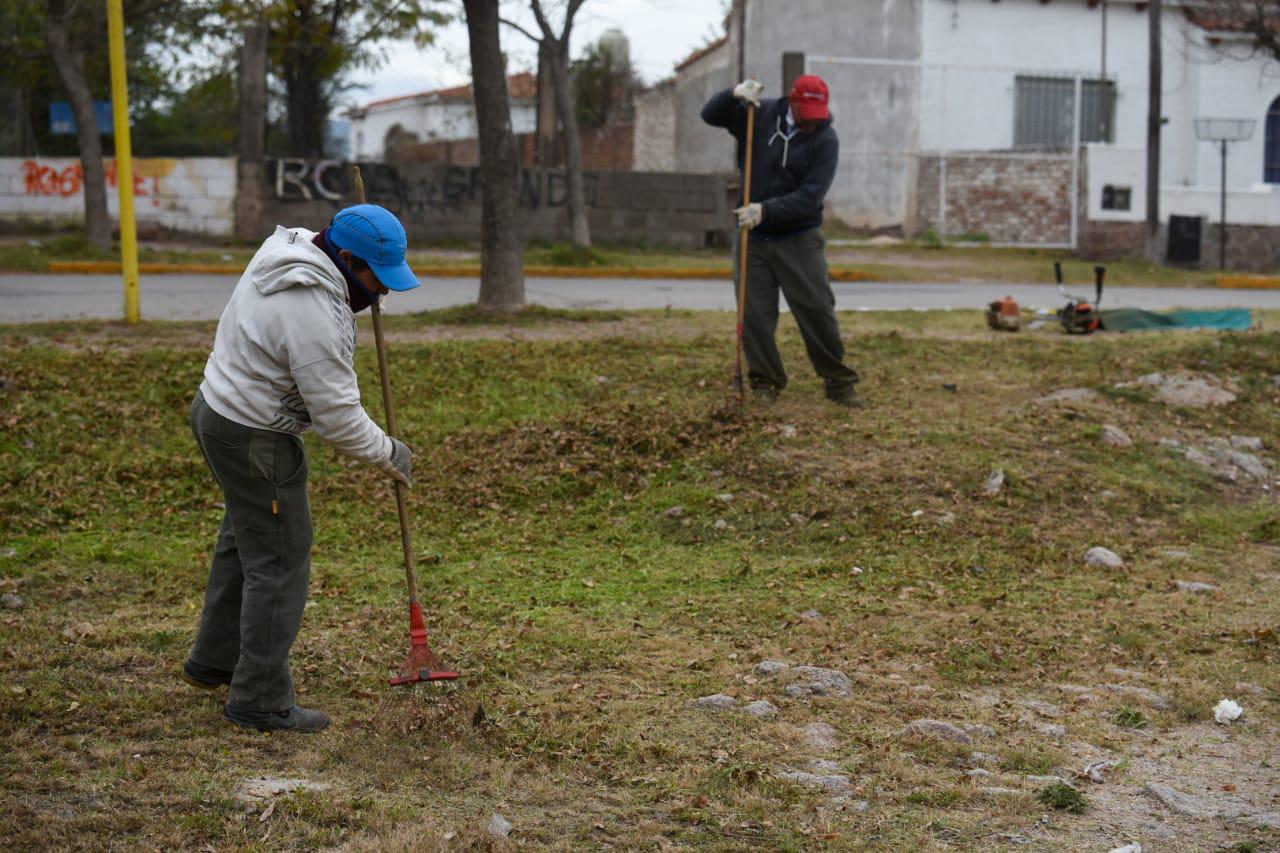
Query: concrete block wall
(437, 202)
(1009, 198)
(193, 195)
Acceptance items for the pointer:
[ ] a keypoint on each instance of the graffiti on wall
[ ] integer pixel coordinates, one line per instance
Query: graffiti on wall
(46, 181)
(414, 191)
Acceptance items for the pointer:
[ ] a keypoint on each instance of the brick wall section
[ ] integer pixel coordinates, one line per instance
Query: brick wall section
(1009, 198)
(438, 202)
(607, 149)
(655, 131)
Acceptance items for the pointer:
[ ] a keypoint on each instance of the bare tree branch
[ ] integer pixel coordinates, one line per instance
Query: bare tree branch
(520, 30)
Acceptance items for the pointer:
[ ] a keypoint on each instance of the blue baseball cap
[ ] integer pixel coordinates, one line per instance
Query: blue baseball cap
(374, 235)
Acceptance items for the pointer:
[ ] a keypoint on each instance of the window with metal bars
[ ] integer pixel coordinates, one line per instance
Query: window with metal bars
(1271, 147)
(1044, 111)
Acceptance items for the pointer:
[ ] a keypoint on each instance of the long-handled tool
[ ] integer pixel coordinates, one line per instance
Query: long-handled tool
(1079, 316)
(738, 383)
(422, 664)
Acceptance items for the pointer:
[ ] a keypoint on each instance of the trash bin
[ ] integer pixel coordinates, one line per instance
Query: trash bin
(1184, 240)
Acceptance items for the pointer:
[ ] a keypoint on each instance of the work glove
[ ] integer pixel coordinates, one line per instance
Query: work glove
(749, 91)
(399, 465)
(750, 216)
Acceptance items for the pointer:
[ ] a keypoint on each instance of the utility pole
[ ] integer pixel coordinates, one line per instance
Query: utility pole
(1153, 129)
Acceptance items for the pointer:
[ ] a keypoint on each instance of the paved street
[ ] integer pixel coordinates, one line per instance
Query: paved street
(29, 298)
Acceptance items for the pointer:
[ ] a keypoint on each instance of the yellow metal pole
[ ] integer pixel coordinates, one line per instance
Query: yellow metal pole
(124, 160)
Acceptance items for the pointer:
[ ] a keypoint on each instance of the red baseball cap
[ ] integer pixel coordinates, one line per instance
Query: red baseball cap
(808, 97)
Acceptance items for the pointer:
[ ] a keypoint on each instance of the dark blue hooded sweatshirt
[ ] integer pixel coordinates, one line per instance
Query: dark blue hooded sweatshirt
(789, 177)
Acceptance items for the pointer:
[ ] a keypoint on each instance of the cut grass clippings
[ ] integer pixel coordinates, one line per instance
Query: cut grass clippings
(585, 615)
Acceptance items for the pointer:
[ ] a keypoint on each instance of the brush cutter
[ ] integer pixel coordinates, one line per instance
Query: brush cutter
(422, 664)
(1079, 316)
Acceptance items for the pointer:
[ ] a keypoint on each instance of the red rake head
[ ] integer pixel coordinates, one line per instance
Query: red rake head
(422, 664)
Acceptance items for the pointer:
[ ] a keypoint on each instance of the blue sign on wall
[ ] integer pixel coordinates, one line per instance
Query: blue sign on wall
(63, 120)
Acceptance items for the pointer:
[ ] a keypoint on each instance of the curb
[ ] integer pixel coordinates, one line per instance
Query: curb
(691, 273)
(1249, 282)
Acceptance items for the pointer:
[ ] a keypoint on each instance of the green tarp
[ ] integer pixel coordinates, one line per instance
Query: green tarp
(1137, 320)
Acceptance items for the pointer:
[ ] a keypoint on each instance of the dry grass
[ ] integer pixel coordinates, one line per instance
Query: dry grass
(584, 618)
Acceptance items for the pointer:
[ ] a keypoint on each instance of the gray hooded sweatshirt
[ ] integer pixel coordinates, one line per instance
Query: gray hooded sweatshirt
(283, 356)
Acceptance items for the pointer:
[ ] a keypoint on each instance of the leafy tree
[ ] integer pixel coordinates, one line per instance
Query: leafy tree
(603, 81)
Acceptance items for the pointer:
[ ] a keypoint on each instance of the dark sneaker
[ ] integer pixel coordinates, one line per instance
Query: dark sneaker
(848, 398)
(306, 720)
(765, 393)
(204, 677)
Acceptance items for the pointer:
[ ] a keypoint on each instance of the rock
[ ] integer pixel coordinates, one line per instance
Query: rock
(75, 632)
(760, 708)
(788, 431)
(675, 512)
(946, 518)
(818, 681)
(1114, 436)
(1053, 730)
(983, 758)
(1246, 442)
(253, 792)
(836, 783)
(1247, 687)
(797, 519)
(1179, 802)
(1175, 554)
(979, 773)
(1103, 558)
(1150, 697)
(824, 765)
(499, 826)
(9, 553)
(1044, 780)
(859, 805)
(820, 736)
(935, 730)
(1128, 848)
(979, 729)
(994, 484)
(811, 615)
(1248, 463)
(720, 524)
(1070, 395)
(992, 791)
(1131, 674)
(770, 668)
(1187, 390)
(1195, 586)
(1044, 709)
(715, 702)
(12, 601)
(725, 498)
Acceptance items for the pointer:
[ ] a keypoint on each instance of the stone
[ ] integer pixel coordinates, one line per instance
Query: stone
(770, 668)
(797, 519)
(1179, 802)
(1044, 780)
(995, 483)
(760, 708)
(725, 498)
(1103, 558)
(1044, 709)
(1113, 436)
(824, 765)
(788, 431)
(993, 791)
(1246, 442)
(1150, 697)
(252, 792)
(983, 758)
(1176, 554)
(1247, 687)
(1128, 848)
(499, 826)
(1053, 730)
(1248, 463)
(811, 615)
(1195, 586)
(979, 729)
(720, 524)
(936, 730)
(12, 601)
(715, 702)
(1193, 392)
(818, 681)
(1070, 395)
(1131, 674)
(820, 736)
(675, 512)
(979, 773)
(836, 783)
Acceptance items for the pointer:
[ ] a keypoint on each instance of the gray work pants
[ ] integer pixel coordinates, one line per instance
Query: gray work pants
(262, 562)
(798, 267)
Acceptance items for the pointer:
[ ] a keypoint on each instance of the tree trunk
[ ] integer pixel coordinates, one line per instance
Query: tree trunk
(68, 58)
(580, 231)
(545, 150)
(251, 133)
(306, 109)
(501, 246)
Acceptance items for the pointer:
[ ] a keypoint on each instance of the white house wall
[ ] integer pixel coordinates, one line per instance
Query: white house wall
(430, 121)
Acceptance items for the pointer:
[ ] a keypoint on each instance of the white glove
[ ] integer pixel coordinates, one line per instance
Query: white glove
(749, 90)
(399, 465)
(750, 216)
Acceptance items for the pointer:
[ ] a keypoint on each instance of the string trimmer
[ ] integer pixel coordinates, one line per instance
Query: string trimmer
(422, 664)
(1079, 316)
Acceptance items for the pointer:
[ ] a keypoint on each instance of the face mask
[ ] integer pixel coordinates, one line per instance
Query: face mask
(359, 296)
